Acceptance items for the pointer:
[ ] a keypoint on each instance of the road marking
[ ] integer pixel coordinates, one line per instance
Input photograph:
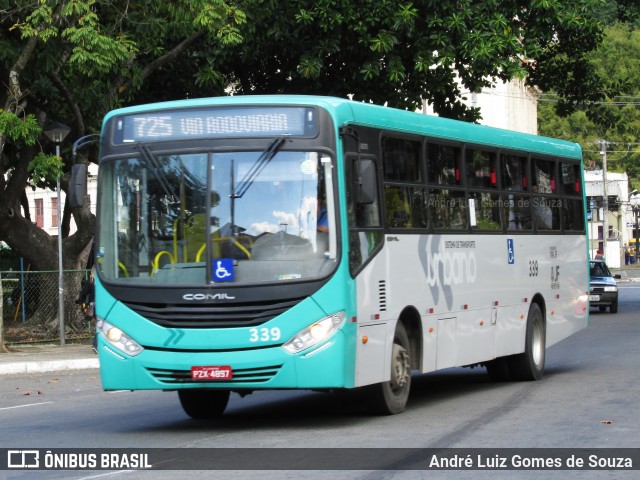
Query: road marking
(28, 405)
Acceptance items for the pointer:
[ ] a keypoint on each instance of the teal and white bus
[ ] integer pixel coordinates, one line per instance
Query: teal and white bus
(303, 242)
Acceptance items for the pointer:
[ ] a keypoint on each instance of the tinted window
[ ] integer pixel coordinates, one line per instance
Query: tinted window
(443, 164)
(406, 207)
(573, 215)
(481, 169)
(517, 212)
(546, 213)
(513, 172)
(448, 209)
(543, 176)
(401, 159)
(485, 211)
(570, 178)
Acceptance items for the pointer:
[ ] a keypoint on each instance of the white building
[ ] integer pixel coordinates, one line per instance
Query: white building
(512, 106)
(43, 204)
(615, 215)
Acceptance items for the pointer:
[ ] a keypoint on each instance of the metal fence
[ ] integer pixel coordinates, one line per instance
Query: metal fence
(30, 301)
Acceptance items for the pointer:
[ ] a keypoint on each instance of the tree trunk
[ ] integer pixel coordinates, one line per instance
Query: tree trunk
(2, 347)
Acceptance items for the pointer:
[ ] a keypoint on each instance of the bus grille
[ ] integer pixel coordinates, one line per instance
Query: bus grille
(240, 376)
(212, 316)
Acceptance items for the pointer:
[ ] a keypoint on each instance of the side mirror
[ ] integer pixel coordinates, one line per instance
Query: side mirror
(77, 185)
(365, 178)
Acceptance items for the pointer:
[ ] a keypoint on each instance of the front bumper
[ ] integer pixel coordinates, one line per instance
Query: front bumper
(321, 367)
(602, 298)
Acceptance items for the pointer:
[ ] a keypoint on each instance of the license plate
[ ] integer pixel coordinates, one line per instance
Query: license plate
(211, 373)
(594, 298)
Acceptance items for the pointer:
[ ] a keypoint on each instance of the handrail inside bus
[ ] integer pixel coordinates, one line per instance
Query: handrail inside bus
(230, 239)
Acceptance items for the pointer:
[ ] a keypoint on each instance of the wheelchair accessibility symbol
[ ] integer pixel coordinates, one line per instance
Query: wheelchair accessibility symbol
(223, 270)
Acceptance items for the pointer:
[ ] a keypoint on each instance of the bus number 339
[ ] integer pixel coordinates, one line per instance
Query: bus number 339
(264, 334)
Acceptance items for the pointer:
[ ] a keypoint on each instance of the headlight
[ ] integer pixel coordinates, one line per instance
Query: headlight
(314, 334)
(118, 339)
(610, 289)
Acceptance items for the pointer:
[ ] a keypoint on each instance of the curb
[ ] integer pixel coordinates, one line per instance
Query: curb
(48, 366)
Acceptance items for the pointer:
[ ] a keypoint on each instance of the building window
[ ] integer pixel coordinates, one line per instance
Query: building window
(54, 212)
(39, 213)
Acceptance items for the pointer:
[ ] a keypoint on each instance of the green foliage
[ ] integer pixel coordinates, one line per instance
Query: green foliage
(45, 169)
(19, 130)
(616, 119)
(398, 53)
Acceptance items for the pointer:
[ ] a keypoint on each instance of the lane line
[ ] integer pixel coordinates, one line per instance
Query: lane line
(22, 406)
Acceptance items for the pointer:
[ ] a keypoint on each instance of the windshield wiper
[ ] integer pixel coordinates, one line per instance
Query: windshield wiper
(157, 170)
(262, 161)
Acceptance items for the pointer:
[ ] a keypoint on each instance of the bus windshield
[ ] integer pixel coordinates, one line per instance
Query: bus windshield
(216, 217)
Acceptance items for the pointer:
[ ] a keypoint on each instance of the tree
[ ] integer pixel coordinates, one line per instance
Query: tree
(617, 118)
(73, 61)
(401, 53)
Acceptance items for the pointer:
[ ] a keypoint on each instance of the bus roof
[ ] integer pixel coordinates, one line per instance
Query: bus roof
(346, 112)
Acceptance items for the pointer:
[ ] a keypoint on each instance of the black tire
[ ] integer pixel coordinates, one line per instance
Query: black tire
(602, 308)
(613, 308)
(529, 365)
(204, 404)
(390, 398)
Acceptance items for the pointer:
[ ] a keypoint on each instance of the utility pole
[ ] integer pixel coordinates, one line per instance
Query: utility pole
(605, 198)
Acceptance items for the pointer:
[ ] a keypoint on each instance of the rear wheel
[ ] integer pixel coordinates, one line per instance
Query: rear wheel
(390, 398)
(529, 365)
(204, 404)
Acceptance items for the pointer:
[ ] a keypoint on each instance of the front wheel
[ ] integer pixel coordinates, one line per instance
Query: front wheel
(390, 398)
(204, 404)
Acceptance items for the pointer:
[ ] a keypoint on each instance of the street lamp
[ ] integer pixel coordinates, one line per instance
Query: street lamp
(57, 132)
(634, 201)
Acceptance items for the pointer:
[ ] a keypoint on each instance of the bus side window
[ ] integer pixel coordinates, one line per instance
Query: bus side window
(573, 214)
(448, 209)
(544, 180)
(513, 172)
(570, 176)
(517, 212)
(481, 169)
(405, 207)
(486, 213)
(443, 165)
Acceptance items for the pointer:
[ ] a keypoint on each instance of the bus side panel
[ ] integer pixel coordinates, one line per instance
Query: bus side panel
(375, 325)
(473, 295)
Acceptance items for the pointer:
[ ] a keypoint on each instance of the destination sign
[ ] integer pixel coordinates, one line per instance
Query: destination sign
(199, 123)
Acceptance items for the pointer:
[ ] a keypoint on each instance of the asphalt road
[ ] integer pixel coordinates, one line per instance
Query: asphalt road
(587, 399)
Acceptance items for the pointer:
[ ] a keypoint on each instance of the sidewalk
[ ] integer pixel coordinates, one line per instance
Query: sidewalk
(628, 273)
(47, 358)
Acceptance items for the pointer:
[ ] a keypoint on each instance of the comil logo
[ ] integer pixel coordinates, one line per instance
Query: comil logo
(207, 296)
(23, 459)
